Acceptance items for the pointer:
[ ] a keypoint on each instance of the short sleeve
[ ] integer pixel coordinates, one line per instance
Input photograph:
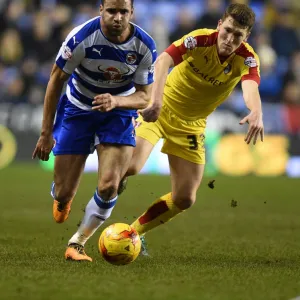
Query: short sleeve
(183, 48)
(251, 68)
(144, 74)
(71, 54)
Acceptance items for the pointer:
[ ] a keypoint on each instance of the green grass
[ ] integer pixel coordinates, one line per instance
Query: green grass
(212, 252)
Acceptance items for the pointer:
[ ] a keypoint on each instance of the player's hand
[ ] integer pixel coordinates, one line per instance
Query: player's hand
(105, 102)
(43, 147)
(151, 113)
(256, 127)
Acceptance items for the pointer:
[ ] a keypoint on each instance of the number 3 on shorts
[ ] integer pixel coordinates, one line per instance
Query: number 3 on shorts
(193, 141)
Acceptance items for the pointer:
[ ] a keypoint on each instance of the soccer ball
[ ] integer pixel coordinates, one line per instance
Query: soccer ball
(119, 244)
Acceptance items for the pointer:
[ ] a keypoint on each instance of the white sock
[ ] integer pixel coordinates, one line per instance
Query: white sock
(53, 190)
(96, 212)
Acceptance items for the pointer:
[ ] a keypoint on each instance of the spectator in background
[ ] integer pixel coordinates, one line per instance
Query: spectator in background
(32, 30)
(75, 3)
(210, 18)
(284, 38)
(61, 18)
(185, 24)
(40, 41)
(271, 80)
(239, 1)
(159, 33)
(291, 99)
(15, 90)
(291, 94)
(11, 48)
(293, 72)
(13, 12)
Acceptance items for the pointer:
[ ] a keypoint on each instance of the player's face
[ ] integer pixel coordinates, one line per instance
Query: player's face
(230, 36)
(116, 15)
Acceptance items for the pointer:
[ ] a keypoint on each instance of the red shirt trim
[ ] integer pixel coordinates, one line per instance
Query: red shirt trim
(202, 41)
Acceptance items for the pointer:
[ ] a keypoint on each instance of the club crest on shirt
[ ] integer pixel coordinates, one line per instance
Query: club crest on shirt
(66, 53)
(227, 69)
(250, 62)
(190, 43)
(131, 58)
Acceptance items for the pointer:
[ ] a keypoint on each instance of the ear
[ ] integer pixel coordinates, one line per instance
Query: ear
(101, 9)
(220, 22)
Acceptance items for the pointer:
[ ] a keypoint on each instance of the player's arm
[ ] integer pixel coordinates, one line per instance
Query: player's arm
(142, 80)
(161, 69)
(255, 117)
(172, 56)
(138, 100)
(53, 92)
(68, 58)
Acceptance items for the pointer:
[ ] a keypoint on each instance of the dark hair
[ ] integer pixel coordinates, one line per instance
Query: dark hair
(103, 1)
(242, 14)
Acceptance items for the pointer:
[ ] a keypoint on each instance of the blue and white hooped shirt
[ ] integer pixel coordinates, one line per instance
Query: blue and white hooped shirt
(98, 66)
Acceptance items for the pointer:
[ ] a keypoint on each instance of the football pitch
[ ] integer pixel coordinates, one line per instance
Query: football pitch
(241, 240)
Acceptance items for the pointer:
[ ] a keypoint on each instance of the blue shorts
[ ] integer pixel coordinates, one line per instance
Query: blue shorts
(77, 131)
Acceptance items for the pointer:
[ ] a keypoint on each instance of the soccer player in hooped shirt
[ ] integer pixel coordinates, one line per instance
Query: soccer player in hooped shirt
(208, 64)
(108, 62)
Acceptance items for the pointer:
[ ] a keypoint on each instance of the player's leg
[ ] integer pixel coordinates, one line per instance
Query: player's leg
(67, 173)
(140, 155)
(183, 195)
(147, 136)
(73, 134)
(184, 144)
(113, 163)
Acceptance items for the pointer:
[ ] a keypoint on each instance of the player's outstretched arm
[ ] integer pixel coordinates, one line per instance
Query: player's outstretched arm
(255, 117)
(161, 69)
(53, 92)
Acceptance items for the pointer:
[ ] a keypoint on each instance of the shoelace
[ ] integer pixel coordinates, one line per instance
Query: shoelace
(77, 247)
(61, 206)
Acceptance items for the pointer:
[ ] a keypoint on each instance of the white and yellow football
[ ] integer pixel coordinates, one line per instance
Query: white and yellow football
(119, 244)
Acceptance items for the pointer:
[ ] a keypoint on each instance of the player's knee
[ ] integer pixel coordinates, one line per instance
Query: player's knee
(107, 190)
(133, 170)
(185, 202)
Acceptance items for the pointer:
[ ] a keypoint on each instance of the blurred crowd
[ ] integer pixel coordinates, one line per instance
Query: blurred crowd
(31, 32)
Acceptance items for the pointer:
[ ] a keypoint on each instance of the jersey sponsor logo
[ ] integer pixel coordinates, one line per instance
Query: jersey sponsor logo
(250, 62)
(190, 43)
(131, 58)
(66, 53)
(113, 74)
(206, 77)
(227, 69)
